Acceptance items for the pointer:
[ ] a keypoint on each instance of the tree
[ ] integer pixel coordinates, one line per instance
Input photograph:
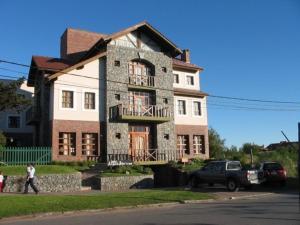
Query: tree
(247, 147)
(10, 99)
(2, 140)
(216, 144)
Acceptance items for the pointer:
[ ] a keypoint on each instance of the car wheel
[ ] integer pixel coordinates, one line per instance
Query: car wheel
(283, 183)
(232, 185)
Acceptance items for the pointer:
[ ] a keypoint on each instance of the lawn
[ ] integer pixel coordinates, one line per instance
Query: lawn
(18, 205)
(40, 170)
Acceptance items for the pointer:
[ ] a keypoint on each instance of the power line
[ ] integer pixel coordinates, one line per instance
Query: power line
(213, 96)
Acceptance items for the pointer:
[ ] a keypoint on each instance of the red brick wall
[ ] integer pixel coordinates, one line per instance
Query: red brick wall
(77, 127)
(191, 130)
(74, 43)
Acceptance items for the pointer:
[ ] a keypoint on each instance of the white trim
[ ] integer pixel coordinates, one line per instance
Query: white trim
(74, 99)
(83, 98)
(7, 120)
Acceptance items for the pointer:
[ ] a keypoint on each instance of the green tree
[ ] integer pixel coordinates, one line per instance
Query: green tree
(10, 99)
(216, 144)
(247, 147)
(2, 140)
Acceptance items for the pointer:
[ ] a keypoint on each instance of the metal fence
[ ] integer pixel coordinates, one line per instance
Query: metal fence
(24, 155)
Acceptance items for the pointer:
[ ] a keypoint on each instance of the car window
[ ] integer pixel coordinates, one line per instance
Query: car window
(272, 166)
(233, 166)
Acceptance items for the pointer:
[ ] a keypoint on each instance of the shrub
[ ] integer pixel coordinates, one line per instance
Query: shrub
(2, 139)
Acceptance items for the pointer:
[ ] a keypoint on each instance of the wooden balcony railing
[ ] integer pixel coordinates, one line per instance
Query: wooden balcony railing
(140, 156)
(32, 115)
(141, 80)
(151, 112)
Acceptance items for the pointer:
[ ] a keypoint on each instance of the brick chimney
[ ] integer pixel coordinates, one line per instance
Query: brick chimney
(185, 56)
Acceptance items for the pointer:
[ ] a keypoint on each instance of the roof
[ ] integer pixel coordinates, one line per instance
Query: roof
(189, 92)
(45, 63)
(181, 64)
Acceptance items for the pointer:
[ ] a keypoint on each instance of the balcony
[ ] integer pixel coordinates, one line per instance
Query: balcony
(141, 81)
(151, 113)
(32, 115)
(140, 157)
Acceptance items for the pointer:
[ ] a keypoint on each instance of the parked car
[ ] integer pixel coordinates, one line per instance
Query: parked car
(273, 172)
(229, 173)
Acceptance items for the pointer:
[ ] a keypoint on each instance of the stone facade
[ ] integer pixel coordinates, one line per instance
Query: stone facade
(46, 183)
(124, 183)
(77, 127)
(117, 80)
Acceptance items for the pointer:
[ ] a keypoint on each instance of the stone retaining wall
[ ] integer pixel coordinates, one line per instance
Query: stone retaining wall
(126, 182)
(46, 183)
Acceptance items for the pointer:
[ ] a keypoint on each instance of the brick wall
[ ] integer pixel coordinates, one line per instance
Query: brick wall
(77, 127)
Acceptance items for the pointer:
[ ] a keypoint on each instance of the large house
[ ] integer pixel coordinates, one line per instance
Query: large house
(130, 96)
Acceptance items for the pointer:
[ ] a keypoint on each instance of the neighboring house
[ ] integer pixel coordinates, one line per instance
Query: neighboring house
(13, 123)
(282, 144)
(131, 96)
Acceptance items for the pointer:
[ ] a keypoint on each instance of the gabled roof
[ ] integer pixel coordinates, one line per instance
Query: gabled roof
(48, 64)
(146, 28)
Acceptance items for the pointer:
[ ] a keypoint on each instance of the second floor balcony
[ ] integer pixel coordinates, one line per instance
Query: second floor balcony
(151, 113)
(142, 80)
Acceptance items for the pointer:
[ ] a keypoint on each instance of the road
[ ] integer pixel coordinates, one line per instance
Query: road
(275, 209)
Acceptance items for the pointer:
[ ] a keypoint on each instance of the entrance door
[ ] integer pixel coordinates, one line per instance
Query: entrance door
(139, 142)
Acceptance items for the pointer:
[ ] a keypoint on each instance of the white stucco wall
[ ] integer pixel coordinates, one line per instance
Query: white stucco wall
(183, 80)
(190, 118)
(79, 85)
(28, 92)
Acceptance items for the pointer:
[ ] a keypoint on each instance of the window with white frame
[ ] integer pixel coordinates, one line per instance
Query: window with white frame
(67, 99)
(189, 80)
(181, 108)
(198, 144)
(176, 78)
(197, 108)
(89, 100)
(14, 122)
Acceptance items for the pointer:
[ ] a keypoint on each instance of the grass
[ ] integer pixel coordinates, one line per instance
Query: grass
(26, 205)
(40, 170)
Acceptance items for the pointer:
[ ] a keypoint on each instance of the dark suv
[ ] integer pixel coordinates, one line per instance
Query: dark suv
(273, 173)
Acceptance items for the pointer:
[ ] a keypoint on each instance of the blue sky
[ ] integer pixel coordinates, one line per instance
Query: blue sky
(248, 49)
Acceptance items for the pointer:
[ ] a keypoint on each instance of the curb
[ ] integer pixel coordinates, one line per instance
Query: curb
(247, 196)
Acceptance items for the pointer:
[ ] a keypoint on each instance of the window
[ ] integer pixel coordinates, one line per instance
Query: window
(14, 122)
(164, 69)
(67, 99)
(181, 107)
(190, 80)
(198, 144)
(176, 79)
(165, 100)
(197, 108)
(117, 63)
(67, 143)
(117, 97)
(89, 100)
(89, 144)
(183, 145)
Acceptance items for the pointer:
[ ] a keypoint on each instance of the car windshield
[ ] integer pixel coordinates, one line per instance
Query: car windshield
(272, 166)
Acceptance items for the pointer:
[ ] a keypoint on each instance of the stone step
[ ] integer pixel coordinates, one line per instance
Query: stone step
(86, 188)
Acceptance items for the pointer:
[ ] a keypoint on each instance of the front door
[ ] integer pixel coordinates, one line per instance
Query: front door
(139, 140)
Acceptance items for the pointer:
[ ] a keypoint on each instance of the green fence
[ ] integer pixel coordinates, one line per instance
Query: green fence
(24, 155)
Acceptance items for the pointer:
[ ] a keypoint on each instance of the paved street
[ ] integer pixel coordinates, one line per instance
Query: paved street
(275, 209)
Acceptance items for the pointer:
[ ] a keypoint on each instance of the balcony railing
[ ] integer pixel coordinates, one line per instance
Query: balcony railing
(140, 112)
(32, 115)
(141, 80)
(140, 156)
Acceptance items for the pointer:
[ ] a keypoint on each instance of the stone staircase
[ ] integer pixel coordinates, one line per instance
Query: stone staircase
(90, 177)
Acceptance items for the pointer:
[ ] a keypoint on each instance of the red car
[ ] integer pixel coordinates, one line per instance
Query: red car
(273, 173)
